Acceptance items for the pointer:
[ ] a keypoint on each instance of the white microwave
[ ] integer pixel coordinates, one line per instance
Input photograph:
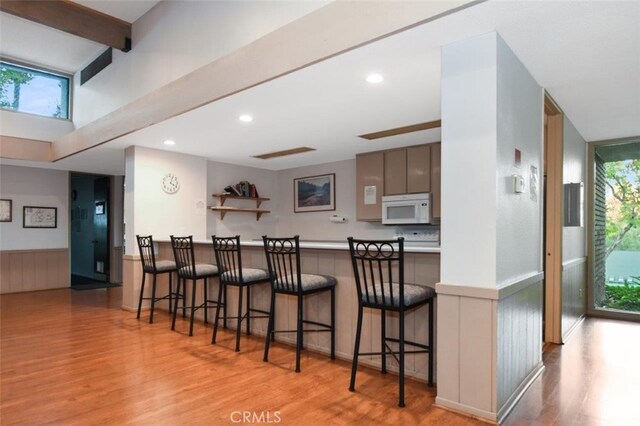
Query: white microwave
(406, 209)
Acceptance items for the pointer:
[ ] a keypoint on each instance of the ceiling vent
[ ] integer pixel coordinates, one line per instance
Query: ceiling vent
(286, 152)
(402, 130)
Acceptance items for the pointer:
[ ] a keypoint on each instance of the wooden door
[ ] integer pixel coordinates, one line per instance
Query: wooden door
(395, 171)
(369, 186)
(418, 169)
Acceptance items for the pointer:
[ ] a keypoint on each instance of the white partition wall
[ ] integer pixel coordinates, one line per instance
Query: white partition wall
(490, 295)
(182, 213)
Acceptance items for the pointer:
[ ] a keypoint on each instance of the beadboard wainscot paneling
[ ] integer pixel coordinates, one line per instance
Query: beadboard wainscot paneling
(493, 339)
(420, 268)
(574, 291)
(31, 270)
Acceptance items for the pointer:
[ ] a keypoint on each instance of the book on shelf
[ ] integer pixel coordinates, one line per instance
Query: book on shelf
(253, 191)
(231, 189)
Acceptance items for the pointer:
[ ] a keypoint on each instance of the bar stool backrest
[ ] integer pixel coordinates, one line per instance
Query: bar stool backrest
(148, 257)
(376, 265)
(283, 260)
(184, 256)
(228, 258)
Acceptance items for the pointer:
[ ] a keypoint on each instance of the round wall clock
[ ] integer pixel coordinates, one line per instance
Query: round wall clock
(170, 183)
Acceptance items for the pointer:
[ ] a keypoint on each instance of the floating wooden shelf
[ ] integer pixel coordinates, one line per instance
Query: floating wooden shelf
(225, 209)
(224, 197)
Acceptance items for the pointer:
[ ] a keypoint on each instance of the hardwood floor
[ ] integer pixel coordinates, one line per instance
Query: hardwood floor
(594, 379)
(72, 357)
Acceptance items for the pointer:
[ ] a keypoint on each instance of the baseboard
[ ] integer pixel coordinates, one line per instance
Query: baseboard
(466, 410)
(519, 392)
(573, 328)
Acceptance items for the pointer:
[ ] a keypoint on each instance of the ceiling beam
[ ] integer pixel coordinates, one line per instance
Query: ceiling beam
(74, 19)
(24, 149)
(338, 27)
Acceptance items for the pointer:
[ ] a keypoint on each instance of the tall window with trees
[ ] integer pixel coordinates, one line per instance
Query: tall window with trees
(618, 288)
(34, 91)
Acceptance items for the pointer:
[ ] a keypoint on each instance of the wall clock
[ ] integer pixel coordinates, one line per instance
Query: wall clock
(170, 183)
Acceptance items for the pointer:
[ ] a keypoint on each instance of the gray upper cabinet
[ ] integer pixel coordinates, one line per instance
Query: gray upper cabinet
(409, 170)
(395, 171)
(418, 169)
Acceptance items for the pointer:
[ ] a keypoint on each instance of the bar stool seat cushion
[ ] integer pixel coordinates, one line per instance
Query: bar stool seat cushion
(413, 293)
(202, 270)
(163, 266)
(248, 275)
(309, 282)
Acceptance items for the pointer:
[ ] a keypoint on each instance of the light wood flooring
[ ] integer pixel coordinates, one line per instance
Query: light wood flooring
(72, 357)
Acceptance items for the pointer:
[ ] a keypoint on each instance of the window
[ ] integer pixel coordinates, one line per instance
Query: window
(33, 91)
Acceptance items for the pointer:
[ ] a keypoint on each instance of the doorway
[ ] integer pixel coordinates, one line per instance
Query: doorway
(615, 208)
(89, 228)
(552, 222)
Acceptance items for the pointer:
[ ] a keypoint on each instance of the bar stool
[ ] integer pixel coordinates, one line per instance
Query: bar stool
(155, 267)
(283, 260)
(188, 269)
(229, 260)
(378, 267)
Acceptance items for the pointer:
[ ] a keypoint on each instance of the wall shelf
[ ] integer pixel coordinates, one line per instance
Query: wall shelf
(225, 209)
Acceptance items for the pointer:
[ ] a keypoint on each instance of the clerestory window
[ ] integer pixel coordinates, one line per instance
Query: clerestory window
(34, 91)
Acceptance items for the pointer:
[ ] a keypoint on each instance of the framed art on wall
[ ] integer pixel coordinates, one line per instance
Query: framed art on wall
(39, 217)
(5, 211)
(314, 193)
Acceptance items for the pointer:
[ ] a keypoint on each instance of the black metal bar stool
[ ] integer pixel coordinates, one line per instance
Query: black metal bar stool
(283, 260)
(229, 260)
(188, 269)
(155, 267)
(378, 267)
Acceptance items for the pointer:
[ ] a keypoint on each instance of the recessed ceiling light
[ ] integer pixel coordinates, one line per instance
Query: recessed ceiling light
(169, 142)
(245, 118)
(375, 78)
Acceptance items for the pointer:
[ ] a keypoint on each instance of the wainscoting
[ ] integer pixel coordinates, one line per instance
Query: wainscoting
(419, 268)
(574, 291)
(490, 345)
(30, 270)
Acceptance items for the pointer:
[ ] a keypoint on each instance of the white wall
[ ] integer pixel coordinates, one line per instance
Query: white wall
(469, 99)
(316, 225)
(28, 186)
(164, 47)
(149, 210)
(220, 175)
(520, 126)
(31, 126)
(573, 171)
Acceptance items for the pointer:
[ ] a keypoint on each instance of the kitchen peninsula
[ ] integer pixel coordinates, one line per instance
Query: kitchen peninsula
(422, 266)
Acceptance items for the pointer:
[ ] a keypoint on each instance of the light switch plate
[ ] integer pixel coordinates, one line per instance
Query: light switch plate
(518, 184)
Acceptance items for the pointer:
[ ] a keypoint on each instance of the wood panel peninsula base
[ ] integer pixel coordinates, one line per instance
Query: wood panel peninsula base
(225, 209)
(331, 259)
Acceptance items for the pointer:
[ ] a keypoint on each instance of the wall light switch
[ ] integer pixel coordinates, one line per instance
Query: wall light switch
(518, 184)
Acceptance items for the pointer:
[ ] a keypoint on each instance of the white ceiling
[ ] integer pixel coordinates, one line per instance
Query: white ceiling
(47, 47)
(586, 54)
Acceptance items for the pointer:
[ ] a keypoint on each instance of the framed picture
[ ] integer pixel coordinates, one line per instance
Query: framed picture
(39, 217)
(314, 193)
(5, 211)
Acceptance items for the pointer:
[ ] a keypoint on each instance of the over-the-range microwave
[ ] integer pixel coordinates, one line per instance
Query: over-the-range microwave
(406, 209)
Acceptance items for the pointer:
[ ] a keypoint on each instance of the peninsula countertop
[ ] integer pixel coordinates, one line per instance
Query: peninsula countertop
(409, 246)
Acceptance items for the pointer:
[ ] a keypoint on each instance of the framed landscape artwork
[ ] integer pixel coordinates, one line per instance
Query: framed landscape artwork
(314, 193)
(39, 217)
(5, 211)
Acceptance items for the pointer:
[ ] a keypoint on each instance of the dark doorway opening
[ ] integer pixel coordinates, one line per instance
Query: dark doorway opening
(89, 240)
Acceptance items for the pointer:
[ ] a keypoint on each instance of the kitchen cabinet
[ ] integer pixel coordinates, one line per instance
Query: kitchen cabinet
(395, 171)
(419, 169)
(409, 170)
(369, 186)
